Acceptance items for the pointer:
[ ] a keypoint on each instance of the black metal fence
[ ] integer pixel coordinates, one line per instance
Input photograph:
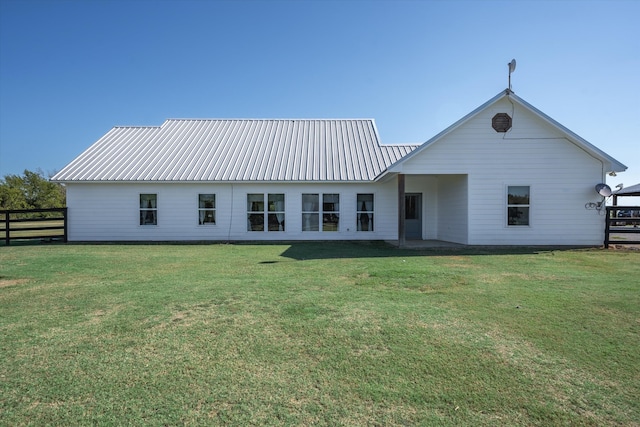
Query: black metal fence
(621, 221)
(31, 224)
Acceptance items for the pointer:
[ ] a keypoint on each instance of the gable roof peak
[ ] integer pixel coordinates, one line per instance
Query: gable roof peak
(609, 163)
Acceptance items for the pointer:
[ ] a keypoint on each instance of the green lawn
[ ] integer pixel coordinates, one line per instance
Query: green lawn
(318, 334)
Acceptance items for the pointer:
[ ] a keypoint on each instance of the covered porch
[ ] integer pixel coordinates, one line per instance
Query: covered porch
(433, 210)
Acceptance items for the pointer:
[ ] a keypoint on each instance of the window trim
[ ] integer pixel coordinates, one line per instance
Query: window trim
(154, 210)
(267, 212)
(517, 205)
(207, 224)
(370, 213)
(304, 212)
(321, 212)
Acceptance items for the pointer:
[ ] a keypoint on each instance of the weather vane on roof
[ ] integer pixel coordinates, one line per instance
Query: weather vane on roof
(512, 68)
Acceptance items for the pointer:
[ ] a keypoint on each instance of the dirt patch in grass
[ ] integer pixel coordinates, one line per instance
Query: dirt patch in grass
(5, 283)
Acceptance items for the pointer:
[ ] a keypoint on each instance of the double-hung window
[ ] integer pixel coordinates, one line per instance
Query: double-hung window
(206, 209)
(310, 212)
(148, 209)
(518, 204)
(330, 212)
(272, 216)
(318, 216)
(364, 213)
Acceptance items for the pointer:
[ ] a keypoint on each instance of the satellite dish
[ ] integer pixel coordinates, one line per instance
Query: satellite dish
(604, 190)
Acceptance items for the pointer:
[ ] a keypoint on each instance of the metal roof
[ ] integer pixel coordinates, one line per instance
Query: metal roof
(634, 190)
(200, 150)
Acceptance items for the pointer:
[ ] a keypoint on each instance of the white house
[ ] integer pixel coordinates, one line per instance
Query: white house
(505, 174)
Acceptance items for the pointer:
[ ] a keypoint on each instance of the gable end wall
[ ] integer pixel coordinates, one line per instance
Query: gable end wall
(561, 176)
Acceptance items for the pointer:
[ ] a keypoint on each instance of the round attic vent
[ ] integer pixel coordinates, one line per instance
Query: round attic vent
(501, 122)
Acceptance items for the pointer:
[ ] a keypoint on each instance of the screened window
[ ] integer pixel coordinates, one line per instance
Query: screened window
(148, 209)
(206, 209)
(258, 216)
(518, 205)
(364, 213)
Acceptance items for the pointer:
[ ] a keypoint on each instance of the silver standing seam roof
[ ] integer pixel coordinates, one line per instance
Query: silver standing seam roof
(237, 150)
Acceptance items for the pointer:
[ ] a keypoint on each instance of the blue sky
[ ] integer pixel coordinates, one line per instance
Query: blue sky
(71, 70)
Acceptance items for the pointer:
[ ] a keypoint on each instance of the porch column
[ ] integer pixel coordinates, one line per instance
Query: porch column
(401, 210)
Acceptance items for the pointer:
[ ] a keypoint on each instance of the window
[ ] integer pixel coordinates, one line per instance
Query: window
(313, 211)
(148, 209)
(330, 212)
(310, 212)
(257, 216)
(255, 212)
(364, 213)
(518, 205)
(276, 212)
(206, 209)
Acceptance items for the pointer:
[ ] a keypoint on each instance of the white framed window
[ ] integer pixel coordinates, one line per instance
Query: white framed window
(275, 213)
(364, 212)
(310, 212)
(330, 212)
(148, 209)
(318, 216)
(518, 205)
(273, 216)
(206, 209)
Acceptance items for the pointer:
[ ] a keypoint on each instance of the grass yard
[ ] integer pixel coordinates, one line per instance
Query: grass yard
(318, 334)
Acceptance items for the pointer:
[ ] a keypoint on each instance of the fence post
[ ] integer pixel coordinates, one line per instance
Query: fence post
(64, 215)
(607, 223)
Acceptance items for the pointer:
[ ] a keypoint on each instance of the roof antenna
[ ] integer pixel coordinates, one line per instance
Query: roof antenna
(512, 68)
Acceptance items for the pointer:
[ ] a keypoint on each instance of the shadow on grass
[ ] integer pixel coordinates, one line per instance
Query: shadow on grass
(336, 250)
(308, 250)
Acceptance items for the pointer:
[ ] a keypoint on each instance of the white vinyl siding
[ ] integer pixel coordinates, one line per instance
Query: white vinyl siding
(532, 152)
(110, 212)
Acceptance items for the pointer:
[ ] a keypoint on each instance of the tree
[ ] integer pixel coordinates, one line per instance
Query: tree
(31, 191)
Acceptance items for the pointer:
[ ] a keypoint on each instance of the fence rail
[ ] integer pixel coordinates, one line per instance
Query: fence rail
(622, 220)
(29, 224)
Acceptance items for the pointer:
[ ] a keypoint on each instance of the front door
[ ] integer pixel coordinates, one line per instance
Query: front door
(413, 216)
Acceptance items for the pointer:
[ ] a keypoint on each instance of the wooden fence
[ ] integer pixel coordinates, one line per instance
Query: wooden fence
(622, 220)
(31, 224)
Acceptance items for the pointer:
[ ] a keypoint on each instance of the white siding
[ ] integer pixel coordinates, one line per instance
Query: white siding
(453, 208)
(561, 175)
(110, 212)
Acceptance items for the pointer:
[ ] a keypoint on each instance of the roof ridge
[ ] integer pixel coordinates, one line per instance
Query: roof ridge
(136, 127)
(270, 119)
